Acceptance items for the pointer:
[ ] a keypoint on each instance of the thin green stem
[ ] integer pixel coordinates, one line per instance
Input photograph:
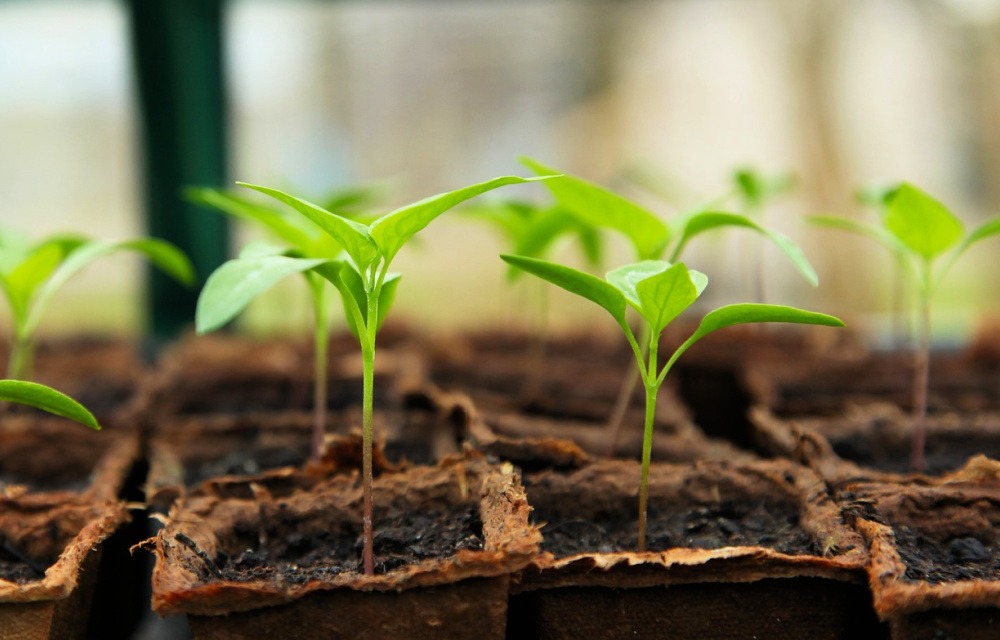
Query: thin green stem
(647, 439)
(20, 358)
(922, 374)
(368, 357)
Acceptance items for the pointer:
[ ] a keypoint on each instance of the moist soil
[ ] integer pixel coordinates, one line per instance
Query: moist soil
(728, 523)
(402, 537)
(951, 560)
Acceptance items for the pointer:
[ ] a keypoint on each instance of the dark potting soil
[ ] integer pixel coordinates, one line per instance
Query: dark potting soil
(244, 463)
(401, 538)
(16, 567)
(728, 523)
(936, 561)
(945, 451)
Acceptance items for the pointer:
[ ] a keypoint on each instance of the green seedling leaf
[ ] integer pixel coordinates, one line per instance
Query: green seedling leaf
(352, 236)
(391, 231)
(625, 278)
(922, 223)
(599, 207)
(749, 313)
(756, 189)
(237, 282)
(243, 209)
(46, 399)
(582, 284)
(666, 295)
(700, 222)
(160, 253)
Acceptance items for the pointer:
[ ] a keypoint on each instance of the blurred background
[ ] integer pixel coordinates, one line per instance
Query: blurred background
(661, 100)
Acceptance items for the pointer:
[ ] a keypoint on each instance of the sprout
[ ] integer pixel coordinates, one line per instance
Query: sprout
(659, 291)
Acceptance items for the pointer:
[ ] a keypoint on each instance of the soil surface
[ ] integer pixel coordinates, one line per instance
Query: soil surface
(401, 538)
(724, 524)
(957, 558)
(15, 569)
(244, 463)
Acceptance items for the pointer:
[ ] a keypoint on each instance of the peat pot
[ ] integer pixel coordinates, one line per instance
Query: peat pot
(754, 550)
(447, 540)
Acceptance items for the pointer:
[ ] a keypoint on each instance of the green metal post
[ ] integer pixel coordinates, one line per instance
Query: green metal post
(178, 62)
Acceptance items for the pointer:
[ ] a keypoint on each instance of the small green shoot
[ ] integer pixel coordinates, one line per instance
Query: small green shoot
(32, 273)
(361, 274)
(654, 239)
(260, 265)
(926, 239)
(659, 291)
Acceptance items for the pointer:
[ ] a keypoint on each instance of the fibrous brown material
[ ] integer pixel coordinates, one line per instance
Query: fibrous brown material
(814, 588)
(65, 536)
(194, 553)
(935, 562)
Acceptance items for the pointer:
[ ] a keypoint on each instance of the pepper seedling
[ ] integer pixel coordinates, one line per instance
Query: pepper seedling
(260, 265)
(652, 238)
(361, 273)
(919, 230)
(32, 273)
(754, 190)
(659, 291)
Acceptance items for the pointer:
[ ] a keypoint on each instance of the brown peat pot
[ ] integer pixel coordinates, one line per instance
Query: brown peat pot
(874, 441)
(447, 540)
(756, 550)
(51, 549)
(935, 553)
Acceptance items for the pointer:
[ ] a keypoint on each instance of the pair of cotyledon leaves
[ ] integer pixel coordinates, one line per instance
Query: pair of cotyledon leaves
(918, 230)
(32, 273)
(358, 268)
(660, 291)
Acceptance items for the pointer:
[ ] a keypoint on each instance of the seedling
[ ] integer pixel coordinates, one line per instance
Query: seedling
(659, 291)
(652, 238)
(361, 273)
(32, 273)
(260, 265)
(918, 230)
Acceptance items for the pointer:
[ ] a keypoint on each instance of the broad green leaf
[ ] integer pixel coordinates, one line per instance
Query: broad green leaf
(241, 208)
(627, 277)
(237, 282)
(751, 313)
(701, 222)
(582, 284)
(922, 223)
(667, 294)
(352, 236)
(602, 208)
(866, 229)
(46, 399)
(393, 230)
(160, 253)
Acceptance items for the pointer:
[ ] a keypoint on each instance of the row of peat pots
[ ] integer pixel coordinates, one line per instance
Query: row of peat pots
(781, 505)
